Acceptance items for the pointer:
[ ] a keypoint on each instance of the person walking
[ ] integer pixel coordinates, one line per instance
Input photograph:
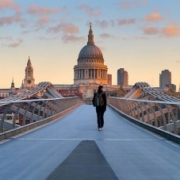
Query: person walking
(100, 101)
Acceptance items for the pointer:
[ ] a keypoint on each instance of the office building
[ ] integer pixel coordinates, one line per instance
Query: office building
(164, 78)
(122, 77)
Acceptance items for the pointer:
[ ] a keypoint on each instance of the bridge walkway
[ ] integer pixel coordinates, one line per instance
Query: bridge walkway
(132, 152)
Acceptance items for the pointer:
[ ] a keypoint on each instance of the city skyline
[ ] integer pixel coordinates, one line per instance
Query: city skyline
(141, 36)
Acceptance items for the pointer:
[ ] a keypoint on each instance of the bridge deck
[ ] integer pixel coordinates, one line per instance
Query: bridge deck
(133, 153)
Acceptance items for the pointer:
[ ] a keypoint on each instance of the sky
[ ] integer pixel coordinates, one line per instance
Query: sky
(141, 36)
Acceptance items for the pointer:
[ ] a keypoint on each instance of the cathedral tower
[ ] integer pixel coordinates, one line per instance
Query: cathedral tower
(29, 80)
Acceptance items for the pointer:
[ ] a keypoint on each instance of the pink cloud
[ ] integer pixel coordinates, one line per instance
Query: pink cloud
(65, 28)
(42, 21)
(122, 22)
(151, 30)
(105, 36)
(15, 44)
(171, 31)
(11, 20)
(153, 17)
(90, 11)
(46, 38)
(105, 24)
(71, 38)
(9, 4)
(37, 10)
(102, 24)
(128, 4)
(144, 1)
(7, 38)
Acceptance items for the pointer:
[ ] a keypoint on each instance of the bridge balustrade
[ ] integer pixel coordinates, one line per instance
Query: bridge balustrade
(161, 114)
(31, 111)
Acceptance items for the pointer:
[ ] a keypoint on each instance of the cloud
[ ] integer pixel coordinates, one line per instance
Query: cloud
(90, 11)
(105, 24)
(122, 22)
(14, 45)
(153, 17)
(141, 37)
(7, 38)
(41, 11)
(131, 4)
(9, 4)
(41, 38)
(151, 31)
(43, 20)
(11, 19)
(112, 23)
(102, 48)
(13, 42)
(65, 28)
(106, 36)
(72, 38)
(144, 1)
(171, 31)
(125, 38)
(128, 4)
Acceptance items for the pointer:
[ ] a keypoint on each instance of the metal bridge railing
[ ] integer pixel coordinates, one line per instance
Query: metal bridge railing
(30, 111)
(161, 114)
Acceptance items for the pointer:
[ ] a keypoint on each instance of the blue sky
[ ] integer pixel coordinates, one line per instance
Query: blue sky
(142, 36)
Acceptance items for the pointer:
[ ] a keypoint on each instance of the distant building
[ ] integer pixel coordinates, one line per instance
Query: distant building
(171, 86)
(29, 80)
(13, 90)
(171, 90)
(4, 92)
(164, 79)
(28, 83)
(109, 79)
(122, 77)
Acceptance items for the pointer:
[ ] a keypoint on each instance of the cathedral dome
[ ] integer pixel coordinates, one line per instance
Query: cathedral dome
(90, 66)
(90, 51)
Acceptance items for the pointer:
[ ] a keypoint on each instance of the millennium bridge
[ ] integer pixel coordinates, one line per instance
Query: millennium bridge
(56, 138)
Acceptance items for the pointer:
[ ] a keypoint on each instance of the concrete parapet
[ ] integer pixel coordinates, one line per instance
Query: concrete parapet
(27, 127)
(168, 135)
